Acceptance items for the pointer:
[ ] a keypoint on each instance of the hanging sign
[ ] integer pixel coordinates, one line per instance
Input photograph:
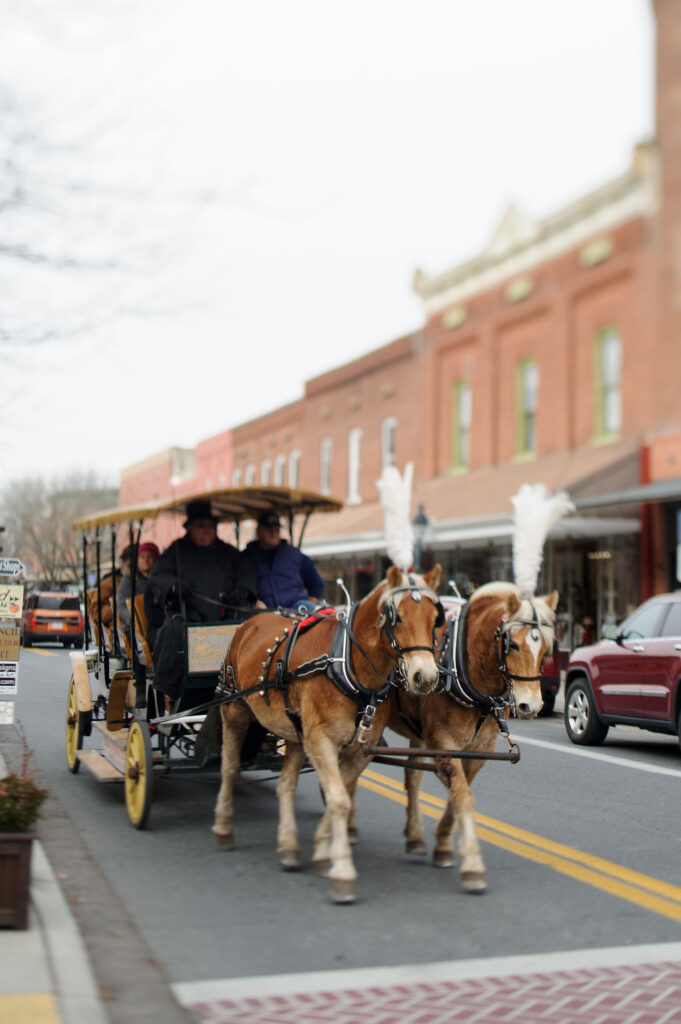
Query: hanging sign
(11, 601)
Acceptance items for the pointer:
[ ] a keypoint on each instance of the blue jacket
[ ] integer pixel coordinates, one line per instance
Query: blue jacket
(291, 578)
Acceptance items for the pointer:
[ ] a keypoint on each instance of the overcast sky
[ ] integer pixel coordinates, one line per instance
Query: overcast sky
(237, 194)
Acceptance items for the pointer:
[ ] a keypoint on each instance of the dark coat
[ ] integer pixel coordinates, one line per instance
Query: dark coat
(289, 579)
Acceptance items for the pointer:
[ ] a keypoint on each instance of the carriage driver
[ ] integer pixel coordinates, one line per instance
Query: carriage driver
(286, 577)
(199, 577)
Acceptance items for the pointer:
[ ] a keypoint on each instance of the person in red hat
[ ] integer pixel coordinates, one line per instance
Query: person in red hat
(147, 553)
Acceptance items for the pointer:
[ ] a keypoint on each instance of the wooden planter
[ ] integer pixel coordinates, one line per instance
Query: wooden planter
(15, 873)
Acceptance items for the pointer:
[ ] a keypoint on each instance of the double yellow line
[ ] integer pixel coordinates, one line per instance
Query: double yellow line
(644, 891)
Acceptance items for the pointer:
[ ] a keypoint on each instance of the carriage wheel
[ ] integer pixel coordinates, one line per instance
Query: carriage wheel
(139, 774)
(78, 724)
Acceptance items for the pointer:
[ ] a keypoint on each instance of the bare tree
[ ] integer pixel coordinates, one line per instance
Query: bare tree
(38, 515)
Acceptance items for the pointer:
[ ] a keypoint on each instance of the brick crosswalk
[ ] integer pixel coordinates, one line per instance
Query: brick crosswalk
(626, 994)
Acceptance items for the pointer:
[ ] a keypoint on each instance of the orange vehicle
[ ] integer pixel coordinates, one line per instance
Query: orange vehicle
(51, 616)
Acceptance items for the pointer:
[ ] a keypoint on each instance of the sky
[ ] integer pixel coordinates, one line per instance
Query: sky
(204, 203)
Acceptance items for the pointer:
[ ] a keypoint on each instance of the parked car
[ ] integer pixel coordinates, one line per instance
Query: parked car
(630, 679)
(52, 616)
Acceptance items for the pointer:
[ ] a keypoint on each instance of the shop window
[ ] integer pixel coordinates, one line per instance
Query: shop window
(608, 383)
(354, 466)
(388, 430)
(325, 455)
(462, 408)
(527, 384)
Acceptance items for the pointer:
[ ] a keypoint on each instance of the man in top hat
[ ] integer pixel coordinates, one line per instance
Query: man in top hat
(199, 578)
(286, 577)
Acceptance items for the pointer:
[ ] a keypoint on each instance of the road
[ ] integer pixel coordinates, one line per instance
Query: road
(581, 848)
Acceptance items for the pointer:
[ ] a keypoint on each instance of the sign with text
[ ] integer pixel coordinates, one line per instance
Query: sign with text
(10, 566)
(9, 643)
(11, 601)
(9, 674)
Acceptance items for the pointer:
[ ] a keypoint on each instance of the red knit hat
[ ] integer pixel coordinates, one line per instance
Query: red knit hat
(149, 546)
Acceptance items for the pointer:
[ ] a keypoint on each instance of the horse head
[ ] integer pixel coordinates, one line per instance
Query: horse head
(521, 630)
(410, 614)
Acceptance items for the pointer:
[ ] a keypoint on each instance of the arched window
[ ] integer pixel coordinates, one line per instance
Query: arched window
(388, 430)
(294, 468)
(249, 477)
(236, 477)
(279, 470)
(527, 382)
(325, 455)
(462, 411)
(608, 383)
(265, 471)
(354, 466)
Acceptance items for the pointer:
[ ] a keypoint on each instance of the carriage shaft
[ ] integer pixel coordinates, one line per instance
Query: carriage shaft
(398, 754)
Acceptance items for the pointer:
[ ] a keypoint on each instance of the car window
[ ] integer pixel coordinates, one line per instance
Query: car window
(672, 624)
(645, 622)
(56, 603)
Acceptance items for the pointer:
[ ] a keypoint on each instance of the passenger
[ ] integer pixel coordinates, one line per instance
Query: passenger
(147, 553)
(199, 578)
(286, 577)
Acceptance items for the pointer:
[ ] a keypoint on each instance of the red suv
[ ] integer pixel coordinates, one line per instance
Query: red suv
(631, 679)
(50, 615)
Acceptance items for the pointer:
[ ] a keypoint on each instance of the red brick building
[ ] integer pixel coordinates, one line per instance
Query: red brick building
(552, 356)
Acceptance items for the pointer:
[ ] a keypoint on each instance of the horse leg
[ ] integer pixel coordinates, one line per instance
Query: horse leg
(413, 829)
(460, 811)
(331, 838)
(288, 849)
(353, 832)
(235, 723)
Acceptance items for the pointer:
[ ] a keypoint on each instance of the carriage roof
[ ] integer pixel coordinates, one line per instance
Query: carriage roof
(231, 504)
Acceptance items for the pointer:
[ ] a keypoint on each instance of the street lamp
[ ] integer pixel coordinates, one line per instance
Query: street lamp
(419, 525)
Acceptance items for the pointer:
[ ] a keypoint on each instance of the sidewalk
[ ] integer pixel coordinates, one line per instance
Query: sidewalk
(45, 973)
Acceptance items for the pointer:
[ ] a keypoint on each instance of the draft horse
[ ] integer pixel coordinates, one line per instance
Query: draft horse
(324, 689)
(491, 655)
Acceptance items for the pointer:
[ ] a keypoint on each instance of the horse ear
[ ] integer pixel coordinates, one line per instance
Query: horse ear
(513, 604)
(552, 600)
(432, 577)
(394, 577)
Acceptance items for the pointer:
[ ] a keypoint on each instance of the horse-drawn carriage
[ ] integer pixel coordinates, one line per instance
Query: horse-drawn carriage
(135, 744)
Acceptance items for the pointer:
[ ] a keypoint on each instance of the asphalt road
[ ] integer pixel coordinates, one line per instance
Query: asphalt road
(581, 847)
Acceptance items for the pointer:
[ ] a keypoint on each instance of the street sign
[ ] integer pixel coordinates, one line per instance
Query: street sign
(10, 566)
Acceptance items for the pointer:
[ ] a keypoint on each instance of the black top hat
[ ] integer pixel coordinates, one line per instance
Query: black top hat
(198, 510)
(268, 519)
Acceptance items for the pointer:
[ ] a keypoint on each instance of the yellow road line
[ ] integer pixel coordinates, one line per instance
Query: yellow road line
(45, 654)
(29, 1009)
(643, 890)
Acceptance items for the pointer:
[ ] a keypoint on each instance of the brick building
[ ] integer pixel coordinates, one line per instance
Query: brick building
(554, 356)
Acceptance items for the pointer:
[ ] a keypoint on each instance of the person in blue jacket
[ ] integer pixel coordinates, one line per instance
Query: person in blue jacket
(286, 577)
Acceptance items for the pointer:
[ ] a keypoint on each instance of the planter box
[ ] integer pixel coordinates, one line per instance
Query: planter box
(15, 874)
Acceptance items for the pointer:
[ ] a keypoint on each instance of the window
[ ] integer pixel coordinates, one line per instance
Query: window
(249, 477)
(462, 408)
(222, 480)
(265, 471)
(608, 382)
(279, 469)
(388, 430)
(354, 466)
(646, 622)
(294, 468)
(236, 477)
(325, 454)
(527, 388)
(672, 624)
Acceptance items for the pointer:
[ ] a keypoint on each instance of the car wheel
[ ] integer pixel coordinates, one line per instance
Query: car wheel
(582, 723)
(548, 706)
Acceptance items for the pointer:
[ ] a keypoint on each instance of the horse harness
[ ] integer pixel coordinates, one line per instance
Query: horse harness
(336, 664)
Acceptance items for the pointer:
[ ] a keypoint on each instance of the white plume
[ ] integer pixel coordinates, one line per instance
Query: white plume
(535, 511)
(395, 492)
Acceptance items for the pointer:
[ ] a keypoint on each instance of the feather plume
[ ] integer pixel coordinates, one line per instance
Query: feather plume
(535, 511)
(395, 492)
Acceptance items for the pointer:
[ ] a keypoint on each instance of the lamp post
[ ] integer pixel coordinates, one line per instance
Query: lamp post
(419, 525)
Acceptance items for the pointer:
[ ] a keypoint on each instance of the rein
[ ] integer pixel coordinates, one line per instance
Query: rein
(504, 644)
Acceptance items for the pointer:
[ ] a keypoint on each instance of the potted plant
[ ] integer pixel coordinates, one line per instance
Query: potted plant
(20, 801)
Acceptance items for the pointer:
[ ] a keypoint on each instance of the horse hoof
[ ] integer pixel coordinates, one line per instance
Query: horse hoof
(416, 846)
(473, 882)
(225, 842)
(322, 867)
(443, 859)
(342, 891)
(353, 836)
(289, 860)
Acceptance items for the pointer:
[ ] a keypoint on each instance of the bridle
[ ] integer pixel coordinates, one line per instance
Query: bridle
(504, 643)
(391, 619)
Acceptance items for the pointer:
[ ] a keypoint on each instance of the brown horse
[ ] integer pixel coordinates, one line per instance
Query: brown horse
(310, 686)
(501, 638)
